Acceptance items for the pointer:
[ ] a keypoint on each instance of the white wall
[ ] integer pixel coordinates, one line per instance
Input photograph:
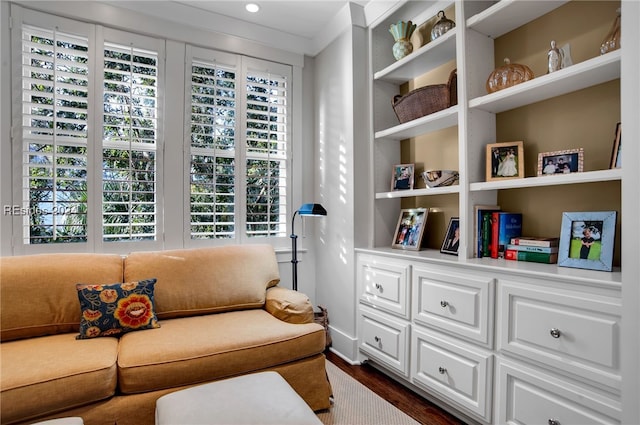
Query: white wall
(336, 105)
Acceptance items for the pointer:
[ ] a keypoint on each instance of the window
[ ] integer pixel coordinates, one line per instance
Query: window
(55, 96)
(129, 144)
(232, 152)
(89, 173)
(92, 119)
(266, 153)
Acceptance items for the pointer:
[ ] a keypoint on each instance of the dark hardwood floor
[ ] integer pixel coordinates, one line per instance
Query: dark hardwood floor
(395, 393)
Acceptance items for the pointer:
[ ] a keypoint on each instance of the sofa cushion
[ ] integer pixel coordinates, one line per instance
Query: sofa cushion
(206, 280)
(111, 310)
(204, 348)
(38, 292)
(54, 373)
(289, 305)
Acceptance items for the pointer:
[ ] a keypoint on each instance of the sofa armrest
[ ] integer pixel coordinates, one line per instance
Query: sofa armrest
(289, 305)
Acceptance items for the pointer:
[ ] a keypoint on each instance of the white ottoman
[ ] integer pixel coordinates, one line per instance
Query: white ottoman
(263, 398)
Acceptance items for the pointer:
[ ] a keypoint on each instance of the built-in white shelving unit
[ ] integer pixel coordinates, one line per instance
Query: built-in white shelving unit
(478, 335)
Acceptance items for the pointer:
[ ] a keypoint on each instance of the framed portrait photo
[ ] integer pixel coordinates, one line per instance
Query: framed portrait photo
(452, 237)
(505, 161)
(587, 239)
(410, 229)
(616, 152)
(560, 162)
(402, 177)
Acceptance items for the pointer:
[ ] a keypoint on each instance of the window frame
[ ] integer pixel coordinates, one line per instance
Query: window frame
(173, 198)
(242, 64)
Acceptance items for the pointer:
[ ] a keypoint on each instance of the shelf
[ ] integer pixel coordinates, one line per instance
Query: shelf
(429, 123)
(608, 280)
(418, 192)
(576, 77)
(554, 180)
(421, 61)
(507, 15)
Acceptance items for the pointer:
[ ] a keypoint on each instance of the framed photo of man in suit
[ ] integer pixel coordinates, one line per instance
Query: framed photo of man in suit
(451, 240)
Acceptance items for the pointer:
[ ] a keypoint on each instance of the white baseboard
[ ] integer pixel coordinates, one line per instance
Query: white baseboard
(343, 345)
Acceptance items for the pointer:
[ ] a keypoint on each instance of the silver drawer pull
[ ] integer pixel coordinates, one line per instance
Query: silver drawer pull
(553, 422)
(555, 332)
(377, 339)
(378, 286)
(442, 370)
(444, 303)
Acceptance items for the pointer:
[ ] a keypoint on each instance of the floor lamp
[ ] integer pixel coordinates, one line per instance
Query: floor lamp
(310, 210)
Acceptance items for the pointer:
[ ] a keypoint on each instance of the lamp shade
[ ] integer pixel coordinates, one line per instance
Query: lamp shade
(312, 209)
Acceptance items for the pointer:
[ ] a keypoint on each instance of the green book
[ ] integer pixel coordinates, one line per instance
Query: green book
(535, 257)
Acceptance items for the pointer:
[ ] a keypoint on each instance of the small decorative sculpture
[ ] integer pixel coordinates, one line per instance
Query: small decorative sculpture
(401, 33)
(555, 57)
(508, 75)
(442, 26)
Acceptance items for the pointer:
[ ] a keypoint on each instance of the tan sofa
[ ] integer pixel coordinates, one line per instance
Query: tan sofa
(220, 314)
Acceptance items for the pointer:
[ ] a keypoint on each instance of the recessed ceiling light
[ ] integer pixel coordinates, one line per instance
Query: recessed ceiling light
(252, 7)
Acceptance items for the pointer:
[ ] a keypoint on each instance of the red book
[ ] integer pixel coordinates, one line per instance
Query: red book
(504, 227)
(535, 241)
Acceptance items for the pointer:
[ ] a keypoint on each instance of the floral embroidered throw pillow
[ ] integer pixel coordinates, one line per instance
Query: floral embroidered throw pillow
(112, 310)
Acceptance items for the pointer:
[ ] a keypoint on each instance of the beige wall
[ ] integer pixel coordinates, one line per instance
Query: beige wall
(583, 119)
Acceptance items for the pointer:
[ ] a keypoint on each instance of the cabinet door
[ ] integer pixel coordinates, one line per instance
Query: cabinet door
(458, 372)
(531, 396)
(573, 332)
(385, 339)
(455, 303)
(384, 283)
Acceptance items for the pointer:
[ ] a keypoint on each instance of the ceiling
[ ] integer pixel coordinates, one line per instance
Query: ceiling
(303, 18)
(298, 26)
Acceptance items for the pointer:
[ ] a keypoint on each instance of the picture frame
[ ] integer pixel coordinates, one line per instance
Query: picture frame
(561, 162)
(410, 229)
(505, 160)
(451, 239)
(587, 240)
(402, 177)
(616, 152)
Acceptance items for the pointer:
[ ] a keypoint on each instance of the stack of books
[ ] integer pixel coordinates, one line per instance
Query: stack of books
(535, 249)
(494, 229)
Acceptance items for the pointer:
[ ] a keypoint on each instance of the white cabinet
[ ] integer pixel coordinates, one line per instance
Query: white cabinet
(385, 339)
(530, 396)
(459, 304)
(384, 284)
(383, 311)
(570, 331)
(497, 347)
(458, 372)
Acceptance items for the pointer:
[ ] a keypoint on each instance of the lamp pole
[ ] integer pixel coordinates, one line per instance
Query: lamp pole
(294, 256)
(310, 210)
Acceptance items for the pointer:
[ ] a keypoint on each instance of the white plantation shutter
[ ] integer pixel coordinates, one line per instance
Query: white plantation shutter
(130, 143)
(213, 148)
(266, 149)
(238, 145)
(55, 91)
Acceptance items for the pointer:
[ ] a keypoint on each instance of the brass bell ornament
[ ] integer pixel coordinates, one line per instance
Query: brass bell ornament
(442, 26)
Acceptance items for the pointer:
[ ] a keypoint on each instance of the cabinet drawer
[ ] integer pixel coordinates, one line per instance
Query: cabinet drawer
(385, 339)
(459, 372)
(384, 284)
(455, 303)
(529, 396)
(574, 332)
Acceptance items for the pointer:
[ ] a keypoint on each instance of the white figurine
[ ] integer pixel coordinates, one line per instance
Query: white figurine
(555, 57)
